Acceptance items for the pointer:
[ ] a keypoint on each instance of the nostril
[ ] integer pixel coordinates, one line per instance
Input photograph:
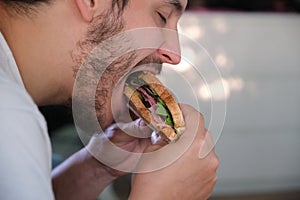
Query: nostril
(167, 56)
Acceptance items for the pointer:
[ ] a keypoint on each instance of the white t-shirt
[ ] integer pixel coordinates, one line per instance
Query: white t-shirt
(25, 150)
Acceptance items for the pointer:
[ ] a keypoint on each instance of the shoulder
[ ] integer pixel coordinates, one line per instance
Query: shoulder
(14, 96)
(25, 151)
(18, 112)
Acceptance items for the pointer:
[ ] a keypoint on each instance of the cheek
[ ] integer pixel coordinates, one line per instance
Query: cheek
(109, 98)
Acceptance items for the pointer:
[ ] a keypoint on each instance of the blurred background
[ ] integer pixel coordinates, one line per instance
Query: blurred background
(246, 6)
(256, 46)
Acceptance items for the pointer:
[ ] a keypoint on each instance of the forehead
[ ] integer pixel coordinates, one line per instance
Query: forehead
(179, 5)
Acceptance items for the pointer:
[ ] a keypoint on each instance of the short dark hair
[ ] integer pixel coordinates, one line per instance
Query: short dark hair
(121, 3)
(24, 6)
(24, 1)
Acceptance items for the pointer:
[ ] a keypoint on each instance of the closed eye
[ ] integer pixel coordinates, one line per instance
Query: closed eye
(163, 18)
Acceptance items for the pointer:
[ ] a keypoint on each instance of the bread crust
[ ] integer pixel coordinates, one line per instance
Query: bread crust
(135, 101)
(167, 98)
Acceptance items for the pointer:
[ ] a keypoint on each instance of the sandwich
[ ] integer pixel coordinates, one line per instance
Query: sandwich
(150, 100)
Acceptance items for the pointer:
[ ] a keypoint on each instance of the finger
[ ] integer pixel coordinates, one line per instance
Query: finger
(155, 147)
(195, 124)
(111, 155)
(186, 108)
(194, 120)
(137, 129)
(207, 190)
(157, 139)
(207, 145)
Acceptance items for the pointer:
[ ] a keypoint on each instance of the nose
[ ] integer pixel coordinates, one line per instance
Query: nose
(169, 51)
(168, 56)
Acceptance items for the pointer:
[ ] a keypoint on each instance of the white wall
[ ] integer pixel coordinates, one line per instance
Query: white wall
(258, 56)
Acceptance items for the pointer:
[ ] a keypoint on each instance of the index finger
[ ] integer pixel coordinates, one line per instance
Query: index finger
(194, 120)
(203, 141)
(126, 132)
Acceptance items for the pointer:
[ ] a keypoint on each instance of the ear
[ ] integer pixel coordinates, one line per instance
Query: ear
(86, 8)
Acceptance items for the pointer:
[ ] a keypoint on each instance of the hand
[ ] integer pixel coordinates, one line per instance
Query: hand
(189, 177)
(84, 169)
(121, 146)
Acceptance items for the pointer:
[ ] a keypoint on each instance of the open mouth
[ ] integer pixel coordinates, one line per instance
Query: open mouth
(133, 80)
(119, 102)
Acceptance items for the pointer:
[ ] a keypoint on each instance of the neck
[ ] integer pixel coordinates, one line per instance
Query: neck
(42, 55)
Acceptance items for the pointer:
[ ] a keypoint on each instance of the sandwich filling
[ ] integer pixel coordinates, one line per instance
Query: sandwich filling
(160, 113)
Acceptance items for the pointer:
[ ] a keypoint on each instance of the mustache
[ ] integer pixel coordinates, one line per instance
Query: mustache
(152, 60)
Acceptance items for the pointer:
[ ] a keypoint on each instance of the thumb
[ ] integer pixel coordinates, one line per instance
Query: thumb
(137, 129)
(157, 143)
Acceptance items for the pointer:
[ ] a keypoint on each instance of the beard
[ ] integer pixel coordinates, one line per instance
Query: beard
(91, 62)
(98, 70)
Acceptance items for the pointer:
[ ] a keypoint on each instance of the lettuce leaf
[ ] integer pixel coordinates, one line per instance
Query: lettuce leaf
(161, 110)
(164, 111)
(169, 121)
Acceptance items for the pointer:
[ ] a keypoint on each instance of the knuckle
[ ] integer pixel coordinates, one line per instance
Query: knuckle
(201, 116)
(215, 163)
(209, 191)
(215, 179)
(191, 112)
(186, 107)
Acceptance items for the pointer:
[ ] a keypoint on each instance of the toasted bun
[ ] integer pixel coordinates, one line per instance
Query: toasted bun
(136, 103)
(138, 106)
(167, 98)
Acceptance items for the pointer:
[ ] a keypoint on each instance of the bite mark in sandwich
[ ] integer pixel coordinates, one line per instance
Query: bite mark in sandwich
(151, 100)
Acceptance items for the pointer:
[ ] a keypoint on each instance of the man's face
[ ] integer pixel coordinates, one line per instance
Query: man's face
(137, 14)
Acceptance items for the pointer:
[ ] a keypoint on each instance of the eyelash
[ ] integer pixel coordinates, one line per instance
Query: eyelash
(164, 20)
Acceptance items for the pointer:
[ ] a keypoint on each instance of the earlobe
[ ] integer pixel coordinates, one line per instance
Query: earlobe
(86, 8)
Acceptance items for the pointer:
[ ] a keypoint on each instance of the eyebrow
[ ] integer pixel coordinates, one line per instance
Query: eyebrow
(176, 4)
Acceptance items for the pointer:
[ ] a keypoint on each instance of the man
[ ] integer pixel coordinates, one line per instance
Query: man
(42, 46)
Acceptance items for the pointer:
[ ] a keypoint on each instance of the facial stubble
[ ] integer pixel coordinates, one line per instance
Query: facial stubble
(95, 52)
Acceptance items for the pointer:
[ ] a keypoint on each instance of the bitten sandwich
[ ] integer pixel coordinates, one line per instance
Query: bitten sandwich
(150, 99)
